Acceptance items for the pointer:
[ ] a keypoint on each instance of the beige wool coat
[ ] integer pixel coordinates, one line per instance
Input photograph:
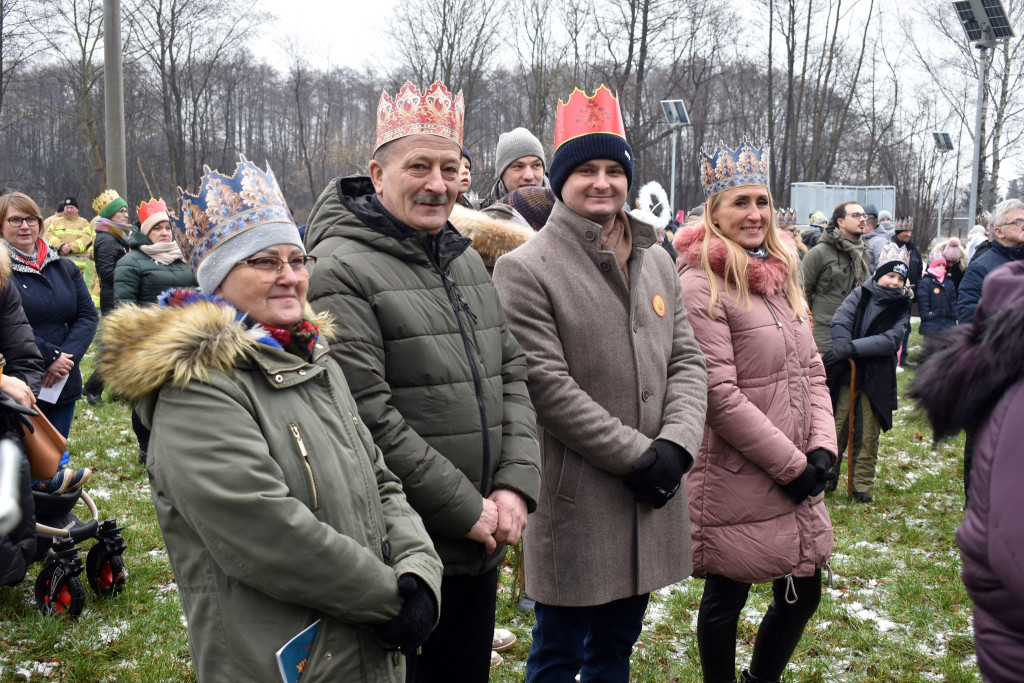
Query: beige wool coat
(611, 368)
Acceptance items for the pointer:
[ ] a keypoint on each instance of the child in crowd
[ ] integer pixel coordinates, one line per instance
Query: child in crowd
(868, 329)
(936, 298)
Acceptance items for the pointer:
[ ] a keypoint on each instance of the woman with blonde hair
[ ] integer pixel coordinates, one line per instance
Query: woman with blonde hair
(755, 491)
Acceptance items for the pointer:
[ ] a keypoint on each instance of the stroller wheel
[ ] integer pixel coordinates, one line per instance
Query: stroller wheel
(105, 571)
(61, 595)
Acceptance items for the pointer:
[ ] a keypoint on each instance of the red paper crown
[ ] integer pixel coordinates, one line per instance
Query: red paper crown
(147, 209)
(583, 115)
(435, 112)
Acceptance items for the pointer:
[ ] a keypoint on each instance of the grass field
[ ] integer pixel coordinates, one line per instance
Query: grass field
(897, 610)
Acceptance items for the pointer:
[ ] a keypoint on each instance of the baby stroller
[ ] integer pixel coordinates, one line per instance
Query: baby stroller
(58, 532)
(58, 588)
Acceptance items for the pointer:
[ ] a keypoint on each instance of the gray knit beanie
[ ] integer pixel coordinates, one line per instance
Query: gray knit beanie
(516, 144)
(219, 262)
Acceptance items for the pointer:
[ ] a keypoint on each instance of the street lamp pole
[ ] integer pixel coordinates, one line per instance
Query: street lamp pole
(982, 46)
(672, 175)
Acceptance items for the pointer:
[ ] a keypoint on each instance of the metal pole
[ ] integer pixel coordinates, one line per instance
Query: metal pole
(672, 191)
(982, 45)
(113, 85)
(938, 226)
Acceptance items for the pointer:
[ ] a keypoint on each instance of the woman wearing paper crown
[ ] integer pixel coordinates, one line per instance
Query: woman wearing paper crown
(619, 385)
(756, 510)
(276, 507)
(154, 265)
(111, 245)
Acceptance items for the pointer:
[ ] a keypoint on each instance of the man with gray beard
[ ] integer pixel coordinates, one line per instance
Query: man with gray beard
(439, 380)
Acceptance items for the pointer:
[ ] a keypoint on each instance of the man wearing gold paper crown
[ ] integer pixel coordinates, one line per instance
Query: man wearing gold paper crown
(620, 388)
(438, 377)
(278, 512)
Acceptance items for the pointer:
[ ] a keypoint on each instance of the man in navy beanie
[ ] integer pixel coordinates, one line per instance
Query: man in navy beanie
(620, 389)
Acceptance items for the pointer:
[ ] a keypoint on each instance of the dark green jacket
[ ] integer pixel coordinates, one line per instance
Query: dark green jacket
(138, 279)
(274, 503)
(829, 277)
(438, 377)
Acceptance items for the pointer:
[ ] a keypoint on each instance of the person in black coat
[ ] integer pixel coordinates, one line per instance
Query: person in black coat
(21, 380)
(111, 245)
(868, 327)
(936, 299)
(904, 237)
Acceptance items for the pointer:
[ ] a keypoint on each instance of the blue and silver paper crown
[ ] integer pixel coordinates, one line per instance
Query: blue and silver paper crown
(745, 165)
(891, 253)
(225, 207)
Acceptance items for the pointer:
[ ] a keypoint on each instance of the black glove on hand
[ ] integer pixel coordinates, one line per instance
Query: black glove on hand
(821, 461)
(656, 474)
(804, 485)
(830, 358)
(843, 349)
(414, 623)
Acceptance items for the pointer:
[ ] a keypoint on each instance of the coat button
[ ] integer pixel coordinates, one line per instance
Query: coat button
(604, 266)
(636, 326)
(646, 395)
(328, 656)
(589, 234)
(278, 378)
(302, 372)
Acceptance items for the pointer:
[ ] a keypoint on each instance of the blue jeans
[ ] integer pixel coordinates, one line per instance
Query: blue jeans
(59, 416)
(594, 641)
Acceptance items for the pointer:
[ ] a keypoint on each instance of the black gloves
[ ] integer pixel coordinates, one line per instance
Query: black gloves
(414, 623)
(813, 479)
(841, 350)
(656, 474)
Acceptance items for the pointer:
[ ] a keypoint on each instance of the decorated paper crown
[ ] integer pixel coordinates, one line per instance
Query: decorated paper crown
(435, 112)
(902, 224)
(225, 207)
(891, 252)
(745, 165)
(785, 217)
(583, 115)
(108, 203)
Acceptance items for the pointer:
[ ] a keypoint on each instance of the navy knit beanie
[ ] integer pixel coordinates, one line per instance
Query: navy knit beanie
(574, 152)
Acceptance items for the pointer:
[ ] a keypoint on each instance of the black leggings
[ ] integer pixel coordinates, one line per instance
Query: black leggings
(780, 631)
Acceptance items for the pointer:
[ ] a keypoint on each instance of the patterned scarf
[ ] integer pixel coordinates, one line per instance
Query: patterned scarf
(298, 341)
(856, 251)
(33, 261)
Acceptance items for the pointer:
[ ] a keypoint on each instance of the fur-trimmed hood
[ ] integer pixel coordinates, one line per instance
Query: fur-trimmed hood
(765, 276)
(143, 348)
(492, 237)
(966, 370)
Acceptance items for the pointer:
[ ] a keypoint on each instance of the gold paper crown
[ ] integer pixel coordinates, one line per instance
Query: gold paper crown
(105, 198)
(435, 112)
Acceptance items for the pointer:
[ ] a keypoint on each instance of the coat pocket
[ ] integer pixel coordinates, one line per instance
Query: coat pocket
(569, 475)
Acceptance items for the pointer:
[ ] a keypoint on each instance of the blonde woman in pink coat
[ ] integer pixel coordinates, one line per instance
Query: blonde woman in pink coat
(755, 491)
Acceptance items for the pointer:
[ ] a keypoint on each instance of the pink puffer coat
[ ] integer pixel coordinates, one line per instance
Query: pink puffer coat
(767, 407)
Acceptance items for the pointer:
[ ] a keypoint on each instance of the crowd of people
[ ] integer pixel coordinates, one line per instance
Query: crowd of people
(423, 378)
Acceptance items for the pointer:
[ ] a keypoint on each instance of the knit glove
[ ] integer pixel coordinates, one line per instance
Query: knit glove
(657, 472)
(804, 485)
(821, 461)
(415, 621)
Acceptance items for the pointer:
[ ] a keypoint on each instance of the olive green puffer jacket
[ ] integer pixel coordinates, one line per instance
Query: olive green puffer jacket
(438, 377)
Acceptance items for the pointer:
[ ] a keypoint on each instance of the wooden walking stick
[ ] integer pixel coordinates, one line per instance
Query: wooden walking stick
(852, 419)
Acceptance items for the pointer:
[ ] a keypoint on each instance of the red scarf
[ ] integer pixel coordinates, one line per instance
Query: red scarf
(41, 251)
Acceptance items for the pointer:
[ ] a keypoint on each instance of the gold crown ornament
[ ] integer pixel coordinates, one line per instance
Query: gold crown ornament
(434, 112)
(726, 168)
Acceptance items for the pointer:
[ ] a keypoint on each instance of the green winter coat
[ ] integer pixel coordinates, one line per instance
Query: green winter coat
(274, 504)
(426, 349)
(138, 279)
(829, 277)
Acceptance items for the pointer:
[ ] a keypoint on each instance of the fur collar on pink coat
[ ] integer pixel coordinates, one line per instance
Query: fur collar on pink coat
(766, 276)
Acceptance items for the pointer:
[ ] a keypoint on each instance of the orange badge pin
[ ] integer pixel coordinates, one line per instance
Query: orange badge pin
(659, 305)
(936, 290)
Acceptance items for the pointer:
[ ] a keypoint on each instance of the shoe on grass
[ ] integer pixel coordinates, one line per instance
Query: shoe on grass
(93, 399)
(503, 640)
(862, 497)
(496, 659)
